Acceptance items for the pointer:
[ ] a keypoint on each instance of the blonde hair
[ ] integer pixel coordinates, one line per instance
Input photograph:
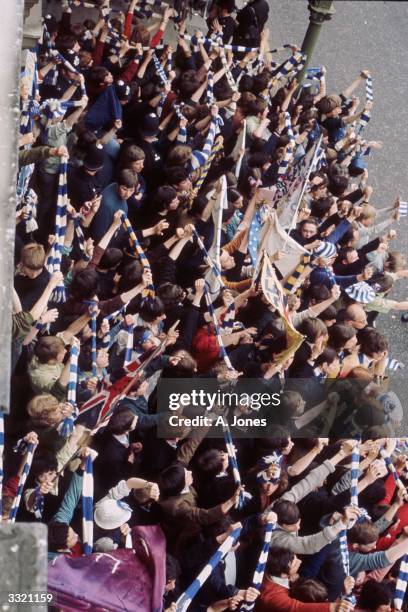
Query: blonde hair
(44, 410)
(367, 212)
(33, 256)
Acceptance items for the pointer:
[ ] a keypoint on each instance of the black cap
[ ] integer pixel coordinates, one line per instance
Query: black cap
(122, 90)
(149, 125)
(95, 157)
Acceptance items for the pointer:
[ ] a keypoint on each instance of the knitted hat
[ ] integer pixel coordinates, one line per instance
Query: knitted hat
(51, 109)
(266, 462)
(326, 249)
(95, 157)
(111, 513)
(361, 292)
(122, 90)
(149, 125)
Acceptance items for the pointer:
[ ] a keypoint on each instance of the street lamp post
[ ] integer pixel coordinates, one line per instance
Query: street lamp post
(320, 11)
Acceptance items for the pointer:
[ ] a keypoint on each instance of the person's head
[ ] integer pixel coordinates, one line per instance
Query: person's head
(288, 515)
(143, 338)
(130, 277)
(292, 404)
(212, 462)
(178, 177)
(152, 310)
(133, 158)
(50, 349)
(327, 361)
(173, 572)
(367, 215)
(316, 294)
(363, 536)
(173, 480)
(61, 537)
(179, 155)
(165, 199)
(85, 59)
(312, 329)
(235, 198)
(282, 563)
(309, 590)
(372, 343)
(94, 159)
(122, 421)
(308, 229)
(122, 91)
(330, 106)
(226, 260)
(323, 207)
(328, 316)
(342, 337)
(111, 259)
(44, 467)
(375, 597)
(347, 255)
(338, 185)
(84, 285)
(395, 261)
(361, 373)
(148, 127)
(99, 77)
(356, 316)
(44, 409)
(188, 83)
(186, 365)
(127, 183)
(171, 295)
(32, 259)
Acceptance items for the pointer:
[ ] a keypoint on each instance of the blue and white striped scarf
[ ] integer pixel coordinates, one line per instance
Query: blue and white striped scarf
(260, 568)
(186, 598)
(87, 506)
(54, 259)
(67, 426)
(29, 453)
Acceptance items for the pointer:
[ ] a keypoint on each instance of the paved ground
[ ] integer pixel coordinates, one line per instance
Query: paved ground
(367, 35)
(364, 34)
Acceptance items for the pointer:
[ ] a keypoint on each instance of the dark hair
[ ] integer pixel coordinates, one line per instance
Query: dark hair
(127, 178)
(170, 294)
(131, 276)
(96, 75)
(339, 335)
(210, 462)
(279, 560)
(65, 43)
(172, 480)
(150, 309)
(309, 590)
(173, 569)
(328, 355)
(306, 221)
(312, 329)
(257, 160)
(43, 462)
(318, 293)
(110, 259)
(188, 83)
(287, 512)
(374, 594)
(371, 341)
(321, 207)
(328, 313)
(121, 421)
(84, 285)
(338, 185)
(176, 174)
(57, 536)
(246, 83)
(163, 197)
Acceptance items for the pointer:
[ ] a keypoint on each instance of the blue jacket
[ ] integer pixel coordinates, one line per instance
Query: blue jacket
(110, 203)
(104, 111)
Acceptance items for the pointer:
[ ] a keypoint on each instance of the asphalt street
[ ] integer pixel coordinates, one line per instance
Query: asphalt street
(367, 35)
(361, 34)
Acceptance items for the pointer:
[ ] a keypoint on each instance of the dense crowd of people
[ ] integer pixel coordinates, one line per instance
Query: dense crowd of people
(195, 213)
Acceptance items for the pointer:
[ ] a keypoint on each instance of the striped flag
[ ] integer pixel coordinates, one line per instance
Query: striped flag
(212, 277)
(260, 568)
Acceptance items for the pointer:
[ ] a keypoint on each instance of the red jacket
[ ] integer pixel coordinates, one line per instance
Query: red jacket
(275, 598)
